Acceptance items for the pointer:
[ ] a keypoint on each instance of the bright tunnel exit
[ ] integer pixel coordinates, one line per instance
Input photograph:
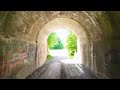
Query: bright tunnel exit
(62, 46)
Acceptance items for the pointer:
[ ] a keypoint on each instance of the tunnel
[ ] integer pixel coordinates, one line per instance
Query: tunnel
(23, 42)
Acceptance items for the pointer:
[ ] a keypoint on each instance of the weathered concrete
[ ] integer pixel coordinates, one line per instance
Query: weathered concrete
(17, 58)
(20, 30)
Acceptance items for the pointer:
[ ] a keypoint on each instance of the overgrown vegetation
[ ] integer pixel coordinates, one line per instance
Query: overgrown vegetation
(54, 42)
(52, 39)
(71, 44)
(49, 57)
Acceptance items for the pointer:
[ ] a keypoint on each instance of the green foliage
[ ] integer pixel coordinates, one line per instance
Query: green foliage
(71, 44)
(59, 44)
(49, 57)
(54, 42)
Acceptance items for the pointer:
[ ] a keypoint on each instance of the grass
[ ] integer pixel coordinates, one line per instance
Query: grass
(71, 57)
(49, 57)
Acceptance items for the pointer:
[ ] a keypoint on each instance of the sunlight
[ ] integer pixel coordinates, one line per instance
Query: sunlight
(62, 33)
(62, 54)
(70, 61)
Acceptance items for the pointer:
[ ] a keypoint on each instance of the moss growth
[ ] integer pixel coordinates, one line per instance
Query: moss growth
(106, 28)
(115, 21)
(8, 27)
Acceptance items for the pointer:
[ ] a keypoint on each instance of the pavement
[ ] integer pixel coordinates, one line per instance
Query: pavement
(58, 69)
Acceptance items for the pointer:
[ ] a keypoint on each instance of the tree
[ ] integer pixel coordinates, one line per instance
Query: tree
(52, 40)
(59, 44)
(71, 44)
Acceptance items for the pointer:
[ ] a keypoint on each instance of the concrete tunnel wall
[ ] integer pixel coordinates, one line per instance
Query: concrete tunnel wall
(19, 47)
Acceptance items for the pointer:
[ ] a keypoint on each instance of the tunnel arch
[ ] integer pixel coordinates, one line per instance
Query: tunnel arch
(68, 24)
(25, 27)
(86, 19)
(31, 22)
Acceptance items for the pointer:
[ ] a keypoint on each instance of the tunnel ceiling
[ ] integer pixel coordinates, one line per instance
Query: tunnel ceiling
(27, 24)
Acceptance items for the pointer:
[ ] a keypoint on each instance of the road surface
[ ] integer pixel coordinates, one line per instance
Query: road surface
(56, 69)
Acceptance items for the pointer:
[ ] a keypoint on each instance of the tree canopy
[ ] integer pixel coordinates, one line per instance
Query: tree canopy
(71, 44)
(54, 42)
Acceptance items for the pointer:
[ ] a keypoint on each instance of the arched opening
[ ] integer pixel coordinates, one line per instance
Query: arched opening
(63, 46)
(24, 40)
(65, 24)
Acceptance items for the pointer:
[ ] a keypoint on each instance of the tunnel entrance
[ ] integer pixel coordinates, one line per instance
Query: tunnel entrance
(63, 67)
(60, 24)
(24, 48)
